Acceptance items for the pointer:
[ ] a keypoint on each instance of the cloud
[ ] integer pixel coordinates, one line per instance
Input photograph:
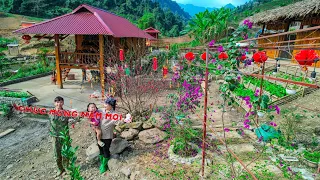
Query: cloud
(212, 3)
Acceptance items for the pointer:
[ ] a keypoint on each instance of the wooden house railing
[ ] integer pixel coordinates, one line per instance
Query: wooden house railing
(70, 58)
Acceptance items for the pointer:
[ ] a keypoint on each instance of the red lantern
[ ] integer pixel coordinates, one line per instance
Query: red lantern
(260, 57)
(223, 56)
(306, 57)
(204, 56)
(155, 64)
(121, 55)
(167, 47)
(243, 57)
(164, 71)
(26, 38)
(190, 56)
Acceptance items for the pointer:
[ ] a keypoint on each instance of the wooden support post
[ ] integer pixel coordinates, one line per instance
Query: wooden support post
(263, 27)
(101, 64)
(57, 53)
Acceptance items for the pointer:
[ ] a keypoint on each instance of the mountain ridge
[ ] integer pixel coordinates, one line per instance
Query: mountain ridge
(193, 10)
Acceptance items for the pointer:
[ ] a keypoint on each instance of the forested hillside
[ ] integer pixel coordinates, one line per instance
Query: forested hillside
(174, 7)
(143, 13)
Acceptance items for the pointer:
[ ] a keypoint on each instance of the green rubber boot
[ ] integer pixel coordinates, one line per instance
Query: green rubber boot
(103, 166)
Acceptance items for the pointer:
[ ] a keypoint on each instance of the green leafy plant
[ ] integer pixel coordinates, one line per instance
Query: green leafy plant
(312, 156)
(273, 89)
(70, 153)
(14, 94)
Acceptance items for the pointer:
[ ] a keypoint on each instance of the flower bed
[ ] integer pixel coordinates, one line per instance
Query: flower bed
(184, 160)
(10, 97)
(274, 89)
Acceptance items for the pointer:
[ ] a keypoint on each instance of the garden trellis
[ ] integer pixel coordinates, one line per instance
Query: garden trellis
(253, 75)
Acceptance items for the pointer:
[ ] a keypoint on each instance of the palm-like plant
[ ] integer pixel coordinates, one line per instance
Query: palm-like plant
(206, 25)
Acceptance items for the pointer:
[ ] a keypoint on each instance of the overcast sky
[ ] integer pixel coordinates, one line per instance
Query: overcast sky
(211, 3)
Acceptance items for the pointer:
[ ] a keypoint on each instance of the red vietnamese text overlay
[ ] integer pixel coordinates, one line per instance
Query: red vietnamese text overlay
(66, 113)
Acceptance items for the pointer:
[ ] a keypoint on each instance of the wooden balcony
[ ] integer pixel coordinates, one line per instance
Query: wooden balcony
(79, 59)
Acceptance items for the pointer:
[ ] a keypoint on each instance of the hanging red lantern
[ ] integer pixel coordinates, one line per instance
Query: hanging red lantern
(260, 57)
(155, 63)
(204, 56)
(306, 57)
(243, 57)
(165, 71)
(26, 38)
(121, 55)
(167, 47)
(190, 57)
(223, 56)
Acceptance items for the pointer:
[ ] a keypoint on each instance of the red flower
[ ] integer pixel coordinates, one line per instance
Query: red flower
(306, 57)
(223, 55)
(243, 57)
(190, 56)
(155, 64)
(121, 55)
(260, 57)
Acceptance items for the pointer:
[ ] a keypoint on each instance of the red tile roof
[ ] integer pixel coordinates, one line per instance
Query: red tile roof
(151, 30)
(86, 19)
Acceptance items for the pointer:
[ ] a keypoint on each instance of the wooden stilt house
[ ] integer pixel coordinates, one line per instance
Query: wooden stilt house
(289, 28)
(99, 36)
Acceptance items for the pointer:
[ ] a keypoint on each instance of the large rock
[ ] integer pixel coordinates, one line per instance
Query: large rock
(147, 125)
(129, 134)
(134, 175)
(157, 121)
(152, 136)
(119, 129)
(118, 145)
(133, 125)
(92, 151)
(114, 165)
(126, 171)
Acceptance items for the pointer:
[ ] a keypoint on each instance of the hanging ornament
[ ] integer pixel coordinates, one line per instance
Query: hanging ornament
(223, 56)
(26, 38)
(204, 56)
(155, 63)
(306, 57)
(127, 70)
(167, 47)
(165, 71)
(121, 55)
(260, 57)
(243, 57)
(190, 57)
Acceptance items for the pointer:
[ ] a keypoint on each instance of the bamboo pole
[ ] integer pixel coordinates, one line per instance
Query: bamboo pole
(57, 54)
(205, 113)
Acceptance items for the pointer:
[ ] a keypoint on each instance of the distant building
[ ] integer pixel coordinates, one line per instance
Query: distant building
(153, 32)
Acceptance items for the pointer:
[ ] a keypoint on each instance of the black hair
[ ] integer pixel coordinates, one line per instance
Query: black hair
(58, 98)
(90, 104)
(112, 102)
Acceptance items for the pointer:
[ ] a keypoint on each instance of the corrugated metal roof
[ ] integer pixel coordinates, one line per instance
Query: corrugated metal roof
(151, 30)
(86, 19)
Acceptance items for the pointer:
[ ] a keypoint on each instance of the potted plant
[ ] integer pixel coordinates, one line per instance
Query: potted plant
(292, 89)
(312, 159)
